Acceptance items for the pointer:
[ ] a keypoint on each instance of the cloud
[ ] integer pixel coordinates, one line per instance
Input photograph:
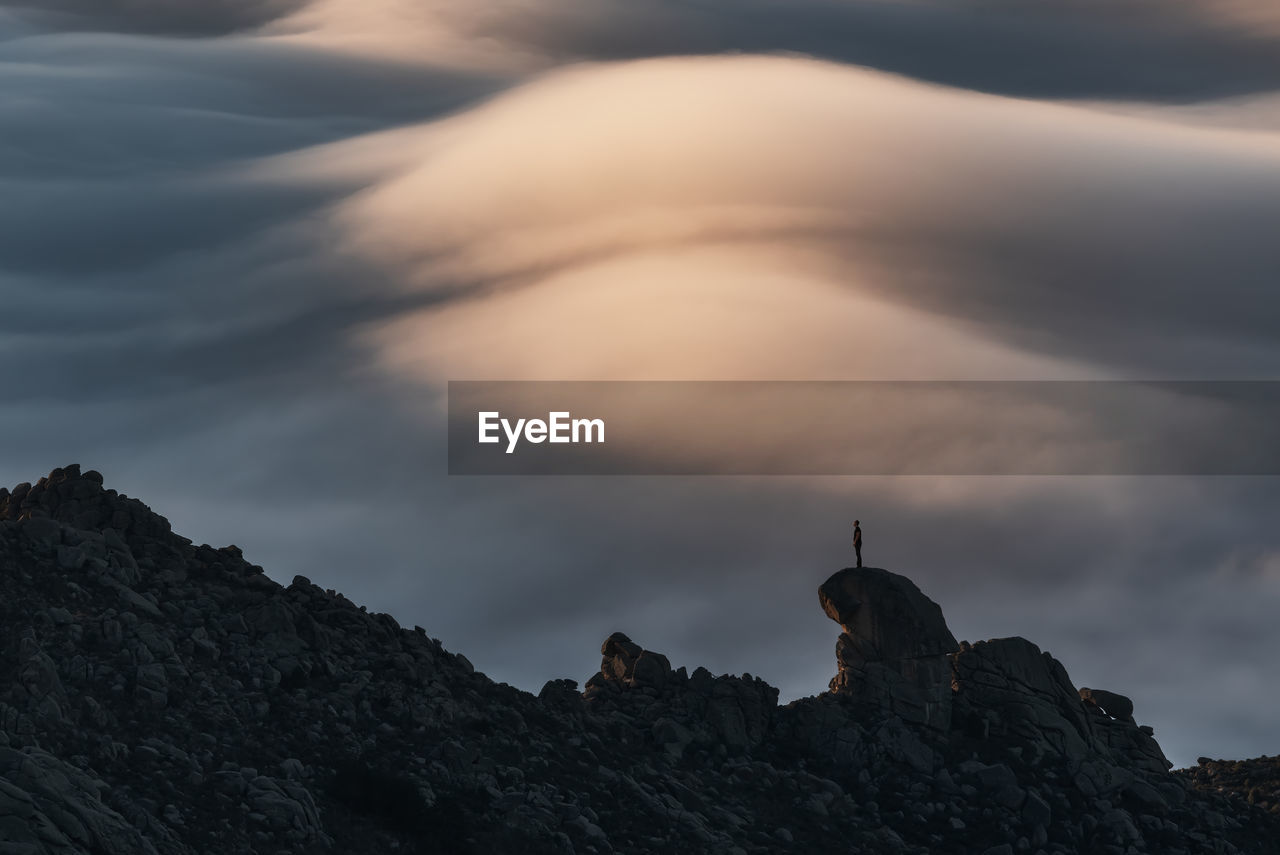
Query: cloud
(1164, 50)
(172, 17)
(236, 268)
(749, 218)
(1173, 50)
(773, 217)
(141, 251)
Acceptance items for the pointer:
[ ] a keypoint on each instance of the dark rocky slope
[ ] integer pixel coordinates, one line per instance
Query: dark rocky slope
(162, 697)
(1257, 781)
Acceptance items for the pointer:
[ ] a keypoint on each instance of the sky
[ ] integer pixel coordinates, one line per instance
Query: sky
(244, 244)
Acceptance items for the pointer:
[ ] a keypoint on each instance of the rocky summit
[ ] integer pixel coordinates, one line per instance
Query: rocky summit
(162, 697)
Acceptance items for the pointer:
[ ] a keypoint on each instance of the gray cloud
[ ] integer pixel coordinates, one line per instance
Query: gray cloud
(1167, 50)
(136, 256)
(1165, 271)
(160, 106)
(173, 17)
(1183, 50)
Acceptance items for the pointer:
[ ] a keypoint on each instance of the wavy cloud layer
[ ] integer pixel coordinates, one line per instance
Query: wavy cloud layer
(243, 244)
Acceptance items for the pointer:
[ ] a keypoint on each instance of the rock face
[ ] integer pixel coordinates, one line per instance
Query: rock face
(884, 616)
(162, 697)
(1007, 707)
(897, 656)
(894, 652)
(735, 713)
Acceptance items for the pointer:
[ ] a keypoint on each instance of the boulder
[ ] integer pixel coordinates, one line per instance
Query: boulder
(1113, 704)
(619, 657)
(884, 616)
(894, 653)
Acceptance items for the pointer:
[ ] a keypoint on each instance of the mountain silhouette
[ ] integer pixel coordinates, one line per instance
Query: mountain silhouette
(162, 697)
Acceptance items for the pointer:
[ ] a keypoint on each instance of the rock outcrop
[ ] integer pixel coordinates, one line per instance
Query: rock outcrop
(897, 656)
(1109, 703)
(895, 648)
(1001, 702)
(884, 617)
(162, 697)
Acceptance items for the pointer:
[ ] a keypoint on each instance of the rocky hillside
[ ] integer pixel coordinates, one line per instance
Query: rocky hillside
(162, 697)
(1257, 781)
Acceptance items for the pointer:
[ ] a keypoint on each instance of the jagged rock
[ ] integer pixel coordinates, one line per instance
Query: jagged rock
(1257, 781)
(162, 697)
(1008, 688)
(620, 654)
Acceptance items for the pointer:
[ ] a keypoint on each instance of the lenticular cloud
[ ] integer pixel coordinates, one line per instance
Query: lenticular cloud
(752, 213)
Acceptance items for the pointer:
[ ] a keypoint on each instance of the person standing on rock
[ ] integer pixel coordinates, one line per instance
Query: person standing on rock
(857, 540)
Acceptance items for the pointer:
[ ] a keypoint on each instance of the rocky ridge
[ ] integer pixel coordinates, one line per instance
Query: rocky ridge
(162, 697)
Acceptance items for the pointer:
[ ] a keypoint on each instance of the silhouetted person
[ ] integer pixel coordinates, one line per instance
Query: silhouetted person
(857, 541)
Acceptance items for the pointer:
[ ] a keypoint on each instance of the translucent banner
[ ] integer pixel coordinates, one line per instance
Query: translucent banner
(865, 428)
